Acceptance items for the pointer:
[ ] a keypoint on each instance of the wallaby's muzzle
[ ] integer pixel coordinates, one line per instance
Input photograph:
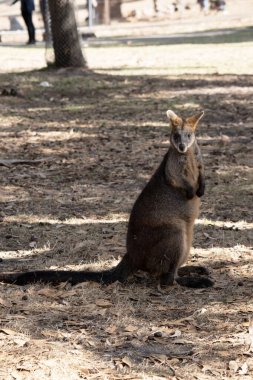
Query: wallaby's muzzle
(182, 148)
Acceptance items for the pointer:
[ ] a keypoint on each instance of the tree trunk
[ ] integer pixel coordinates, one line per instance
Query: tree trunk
(66, 43)
(107, 14)
(116, 10)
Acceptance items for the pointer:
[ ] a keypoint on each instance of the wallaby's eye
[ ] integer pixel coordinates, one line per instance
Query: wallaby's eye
(189, 135)
(176, 136)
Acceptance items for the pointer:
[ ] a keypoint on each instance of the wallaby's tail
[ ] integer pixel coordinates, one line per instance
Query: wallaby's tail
(118, 273)
(195, 282)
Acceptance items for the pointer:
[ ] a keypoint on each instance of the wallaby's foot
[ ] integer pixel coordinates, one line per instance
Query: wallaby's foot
(195, 282)
(167, 279)
(192, 269)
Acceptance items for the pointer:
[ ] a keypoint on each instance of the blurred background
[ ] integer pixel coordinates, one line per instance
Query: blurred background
(115, 23)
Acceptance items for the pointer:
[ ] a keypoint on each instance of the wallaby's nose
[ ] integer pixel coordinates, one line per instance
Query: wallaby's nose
(182, 147)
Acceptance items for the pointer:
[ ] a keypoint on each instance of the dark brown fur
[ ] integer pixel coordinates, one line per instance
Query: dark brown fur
(160, 228)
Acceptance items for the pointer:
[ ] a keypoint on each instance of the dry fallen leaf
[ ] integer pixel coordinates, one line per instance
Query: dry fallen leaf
(51, 334)
(5, 303)
(126, 360)
(176, 334)
(103, 303)
(84, 371)
(25, 366)
(21, 342)
(233, 365)
(16, 375)
(243, 369)
(111, 329)
(208, 236)
(47, 292)
(8, 331)
(159, 357)
(130, 328)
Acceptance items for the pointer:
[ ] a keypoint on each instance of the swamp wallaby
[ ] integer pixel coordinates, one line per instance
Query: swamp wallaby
(160, 228)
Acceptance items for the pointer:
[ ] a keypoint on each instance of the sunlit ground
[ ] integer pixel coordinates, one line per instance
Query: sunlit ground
(232, 58)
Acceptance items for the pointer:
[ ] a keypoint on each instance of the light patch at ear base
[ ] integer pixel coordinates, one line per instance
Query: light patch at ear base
(174, 119)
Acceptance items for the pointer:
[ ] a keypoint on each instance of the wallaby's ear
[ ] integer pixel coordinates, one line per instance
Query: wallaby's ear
(194, 120)
(174, 119)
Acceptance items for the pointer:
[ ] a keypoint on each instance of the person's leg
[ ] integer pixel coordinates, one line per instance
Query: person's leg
(31, 28)
(27, 16)
(24, 15)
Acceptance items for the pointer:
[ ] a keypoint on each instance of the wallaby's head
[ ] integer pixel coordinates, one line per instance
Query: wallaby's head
(183, 130)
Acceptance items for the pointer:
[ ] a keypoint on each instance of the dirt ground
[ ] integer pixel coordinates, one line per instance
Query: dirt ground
(93, 141)
(74, 156)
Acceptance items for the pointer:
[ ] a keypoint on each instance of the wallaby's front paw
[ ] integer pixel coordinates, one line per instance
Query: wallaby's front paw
(190, 193)
(201, 191)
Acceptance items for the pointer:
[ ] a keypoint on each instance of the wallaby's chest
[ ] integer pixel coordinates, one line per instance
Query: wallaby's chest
(182, 166)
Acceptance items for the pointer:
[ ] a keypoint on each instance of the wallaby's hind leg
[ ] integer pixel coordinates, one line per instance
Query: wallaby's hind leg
(192, 269)
(172, 249)
(167, 279)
